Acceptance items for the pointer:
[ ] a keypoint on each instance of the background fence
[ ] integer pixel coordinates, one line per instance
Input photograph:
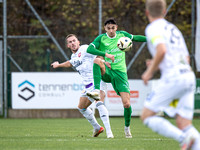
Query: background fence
(33, 32)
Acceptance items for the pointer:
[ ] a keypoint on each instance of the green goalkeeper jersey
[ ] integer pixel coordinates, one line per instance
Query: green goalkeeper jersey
(109, 45)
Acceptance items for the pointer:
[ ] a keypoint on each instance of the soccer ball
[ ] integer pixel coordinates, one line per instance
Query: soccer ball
(124, 44)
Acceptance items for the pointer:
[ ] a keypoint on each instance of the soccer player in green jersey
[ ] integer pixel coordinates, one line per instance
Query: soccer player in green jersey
(105, 45)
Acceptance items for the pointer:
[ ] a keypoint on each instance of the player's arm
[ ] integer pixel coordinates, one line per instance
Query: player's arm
(136, 38)
(66, 64)
(148, 63)
(160, 53)
(139, 38)
(106, 63)
(93, 49)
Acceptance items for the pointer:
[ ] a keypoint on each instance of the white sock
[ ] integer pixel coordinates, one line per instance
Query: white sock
(88, 114)
(164, 127)
(189, 129)
(103, 112)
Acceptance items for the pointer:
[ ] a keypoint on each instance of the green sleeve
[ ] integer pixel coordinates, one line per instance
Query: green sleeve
(94, 46)
(136, 38)
(127, 34)
(92, 50)
(139, 38)
(97, 41)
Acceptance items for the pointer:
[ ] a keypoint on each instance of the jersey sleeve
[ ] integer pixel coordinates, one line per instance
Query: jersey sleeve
(92, 50)
(94, 47)
(139, 38)
(155, 37)
(96, 42)
(136, 38)
(127, 34)
(71, 61)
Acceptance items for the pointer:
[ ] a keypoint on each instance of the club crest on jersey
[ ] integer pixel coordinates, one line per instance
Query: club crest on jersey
(79, 54)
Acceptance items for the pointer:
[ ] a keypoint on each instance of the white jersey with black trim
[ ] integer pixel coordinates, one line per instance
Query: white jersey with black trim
(175, 59)
(83, 62)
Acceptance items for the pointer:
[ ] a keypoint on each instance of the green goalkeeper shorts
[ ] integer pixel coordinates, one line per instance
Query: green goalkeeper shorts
(118, 79)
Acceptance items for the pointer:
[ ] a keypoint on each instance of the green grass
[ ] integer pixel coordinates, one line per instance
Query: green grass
(75, 134)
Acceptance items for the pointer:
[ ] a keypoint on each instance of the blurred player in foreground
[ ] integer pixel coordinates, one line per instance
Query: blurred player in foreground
(105, 45)
(167, 46)
(83, 62)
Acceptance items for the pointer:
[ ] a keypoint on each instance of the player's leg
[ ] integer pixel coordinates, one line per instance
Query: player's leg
(161, 125)
(88, 114)
(127, 107)
(121, 87)
(103, 112)
(127, 113)
(158, 99)
(192, 139)
(98, 70)
(185, 115)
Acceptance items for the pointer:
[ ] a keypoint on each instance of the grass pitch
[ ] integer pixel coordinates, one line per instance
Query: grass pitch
(76, 134)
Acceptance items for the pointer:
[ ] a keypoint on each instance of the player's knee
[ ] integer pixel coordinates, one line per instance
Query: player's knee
(145, 119)
(79, 106)
(142, 117)
(127, 105)
(182, 123)
(102, 96)
(146, 113)
(179, 125)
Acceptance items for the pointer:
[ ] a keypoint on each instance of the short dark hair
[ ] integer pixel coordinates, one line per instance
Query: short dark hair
(110, 21)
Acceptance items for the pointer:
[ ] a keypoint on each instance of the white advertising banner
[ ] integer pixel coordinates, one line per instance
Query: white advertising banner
(46, 90)
(33, 90)
(138, 95)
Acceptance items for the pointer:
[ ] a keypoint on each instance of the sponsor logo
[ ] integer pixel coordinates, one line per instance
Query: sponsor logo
(107, 44)
(77, 63)
(113, 94)
(28, 90)
(60, 87)
(79, 54)
(26, 93)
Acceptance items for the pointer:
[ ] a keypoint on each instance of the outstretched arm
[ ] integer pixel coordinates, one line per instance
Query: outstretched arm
(66, 64)
(92, 50)
(160, 53)
(139, 38)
